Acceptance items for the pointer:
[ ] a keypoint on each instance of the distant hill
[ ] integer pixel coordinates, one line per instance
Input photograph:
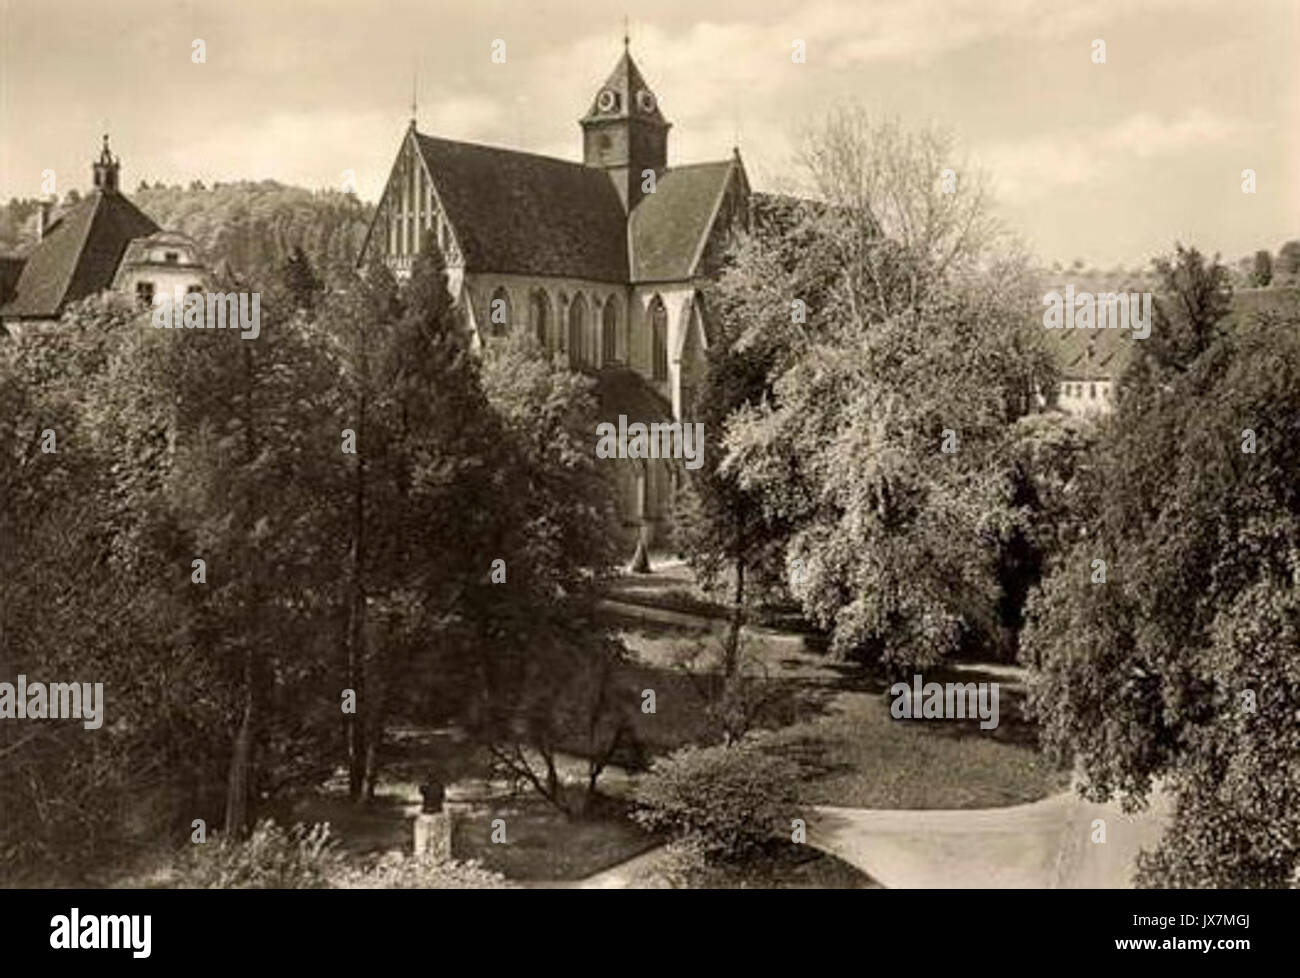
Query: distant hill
(256, 225)
(252, 225)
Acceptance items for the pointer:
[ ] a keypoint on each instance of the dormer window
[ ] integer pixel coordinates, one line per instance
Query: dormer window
(171, 257)
(607, 101)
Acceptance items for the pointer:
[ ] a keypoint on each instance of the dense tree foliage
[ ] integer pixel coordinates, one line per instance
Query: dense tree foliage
(256, 226)
(1183, 667)
(1263, 273)
(266, 549)
(898, 356)
(546, 674)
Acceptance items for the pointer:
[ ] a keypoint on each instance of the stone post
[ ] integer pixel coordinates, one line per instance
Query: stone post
(433, 831)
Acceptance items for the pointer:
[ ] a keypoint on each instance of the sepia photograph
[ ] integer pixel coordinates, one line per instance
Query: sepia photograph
(558, 445)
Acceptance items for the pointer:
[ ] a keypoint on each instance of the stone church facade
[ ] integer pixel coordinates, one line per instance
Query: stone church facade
(601, 261)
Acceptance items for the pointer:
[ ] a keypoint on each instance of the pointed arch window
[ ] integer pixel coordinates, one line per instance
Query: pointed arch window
(499, 313)
(692, 365)
(609, 332)
(658, 339)
(538, 317)
(577, 331)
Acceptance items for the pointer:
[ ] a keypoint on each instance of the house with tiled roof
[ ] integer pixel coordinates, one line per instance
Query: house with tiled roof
(1092, 361)
(160, 263)
(601, 261)
(81, 250)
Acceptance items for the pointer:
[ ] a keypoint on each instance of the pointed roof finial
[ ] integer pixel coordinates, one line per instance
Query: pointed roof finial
(626, 39)
(105, 169)
(414, 89)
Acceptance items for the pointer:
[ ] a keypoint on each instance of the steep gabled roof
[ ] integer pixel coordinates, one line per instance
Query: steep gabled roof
(670, 226)
(78, 255)
(1104, 354)
(1091, 354)
(528, 214)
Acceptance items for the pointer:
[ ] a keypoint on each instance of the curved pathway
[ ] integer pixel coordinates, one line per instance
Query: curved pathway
(1046, 844)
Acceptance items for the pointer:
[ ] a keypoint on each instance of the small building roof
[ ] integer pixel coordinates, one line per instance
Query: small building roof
(1092, 354)
(137, 250)
(77, 256)
(1104, 354)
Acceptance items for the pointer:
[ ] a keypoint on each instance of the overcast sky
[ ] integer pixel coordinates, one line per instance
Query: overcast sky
(1110, 163)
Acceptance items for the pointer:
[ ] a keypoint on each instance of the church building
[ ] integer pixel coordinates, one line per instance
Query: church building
(601, 261)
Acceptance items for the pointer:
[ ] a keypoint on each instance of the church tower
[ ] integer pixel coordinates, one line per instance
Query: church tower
(106, 169)
(624, 133)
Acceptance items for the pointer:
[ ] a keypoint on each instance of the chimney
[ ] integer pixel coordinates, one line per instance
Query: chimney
(42, 219)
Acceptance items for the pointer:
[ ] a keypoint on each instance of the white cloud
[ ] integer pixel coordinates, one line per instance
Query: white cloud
(1072, 156)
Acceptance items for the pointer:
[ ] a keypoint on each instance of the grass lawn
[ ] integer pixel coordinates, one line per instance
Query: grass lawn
(864, 758)
(834, 719)
(542, 845)
(831, 717)
(798, 690)
(672, 587)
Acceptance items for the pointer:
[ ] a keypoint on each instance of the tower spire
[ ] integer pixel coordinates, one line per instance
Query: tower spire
(414, 90)
(624, 132)
(106, 169)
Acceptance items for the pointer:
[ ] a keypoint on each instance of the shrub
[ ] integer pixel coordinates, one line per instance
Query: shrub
(399, 871)
(272, 857)
(729, 802)
(684, 865)
(302, 858)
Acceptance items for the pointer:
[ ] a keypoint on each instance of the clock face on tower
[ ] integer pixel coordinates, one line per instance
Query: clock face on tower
(645, 101)
(607, 101)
